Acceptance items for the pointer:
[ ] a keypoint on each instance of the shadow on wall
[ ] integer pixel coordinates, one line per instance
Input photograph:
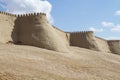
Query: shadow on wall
(34, 30)
(15, 33)
(83, 39)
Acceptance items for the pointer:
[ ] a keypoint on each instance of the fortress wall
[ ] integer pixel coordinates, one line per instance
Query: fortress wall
(103, 45)
(64, 35)
(114, 46)
(6, 27)
(35, 30)
(83, 39)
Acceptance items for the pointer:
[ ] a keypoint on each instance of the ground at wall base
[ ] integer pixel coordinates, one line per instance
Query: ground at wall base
(18, 62)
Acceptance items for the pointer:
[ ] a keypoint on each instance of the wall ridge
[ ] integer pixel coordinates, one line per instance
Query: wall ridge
(82, 32)
(58, 29)
(6, 13)
(100, 38)
(30, 14)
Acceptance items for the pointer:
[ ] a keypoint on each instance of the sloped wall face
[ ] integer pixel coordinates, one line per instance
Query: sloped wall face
(35, 30)
(6, 27)
(84, 40)
(103, 45)
(114, 46)
(63, 35)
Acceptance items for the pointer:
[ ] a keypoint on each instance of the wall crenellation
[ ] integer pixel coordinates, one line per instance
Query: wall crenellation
(81, 33)
(5, 13)
(31, 14)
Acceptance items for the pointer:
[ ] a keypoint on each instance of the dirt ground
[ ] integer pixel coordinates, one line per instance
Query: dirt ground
(18, 62)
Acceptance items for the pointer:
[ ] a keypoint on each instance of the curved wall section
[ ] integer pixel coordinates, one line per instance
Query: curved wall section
(7, 24)
(63, 35)
(114, 46)
(35, 30)
(103, 44)
(83, 39)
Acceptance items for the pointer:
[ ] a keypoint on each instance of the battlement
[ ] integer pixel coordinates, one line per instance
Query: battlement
(6, 13)
(31, 14)
(81, 32)
(22, 15)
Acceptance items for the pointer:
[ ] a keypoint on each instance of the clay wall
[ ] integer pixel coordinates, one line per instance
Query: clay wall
(35, 30)
(83, 39)
(103, 45)
(7, 23)
(63, 35)
(114, 46)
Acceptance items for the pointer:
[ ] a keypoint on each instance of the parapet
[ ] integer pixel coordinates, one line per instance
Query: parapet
(31, 14)
(81, 33)
(22, 15)
(5, 13)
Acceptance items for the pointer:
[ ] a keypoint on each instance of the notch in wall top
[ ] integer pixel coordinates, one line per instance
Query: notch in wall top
(6, 13)
(30, 14)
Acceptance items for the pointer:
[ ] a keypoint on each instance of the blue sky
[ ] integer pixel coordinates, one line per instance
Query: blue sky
(100, 16)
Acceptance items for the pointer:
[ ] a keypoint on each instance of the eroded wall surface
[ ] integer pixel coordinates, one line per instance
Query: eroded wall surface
(103, 45)
(35, 30)
(63, 35)
(83, 39)
(7, 23)
(114, 46)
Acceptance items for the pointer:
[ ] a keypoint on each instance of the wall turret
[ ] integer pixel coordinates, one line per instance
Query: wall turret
(34, 29)
(114, 46)
(84, 39)
(7, 14)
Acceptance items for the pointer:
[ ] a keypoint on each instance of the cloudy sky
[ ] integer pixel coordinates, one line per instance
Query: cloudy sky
(100, 16)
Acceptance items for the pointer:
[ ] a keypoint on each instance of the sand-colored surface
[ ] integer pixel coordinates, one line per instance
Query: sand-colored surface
(114, 46)
(6, 27)
(18, 62)
(35, 30)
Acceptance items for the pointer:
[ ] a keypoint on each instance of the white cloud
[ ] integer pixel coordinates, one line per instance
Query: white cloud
(95, 30)
(117, 13)
(116, 28)
(107, 24)
(112, 26)
(27, 6)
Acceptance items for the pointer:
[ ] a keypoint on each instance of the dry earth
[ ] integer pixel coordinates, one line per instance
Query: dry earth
(19, 62)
